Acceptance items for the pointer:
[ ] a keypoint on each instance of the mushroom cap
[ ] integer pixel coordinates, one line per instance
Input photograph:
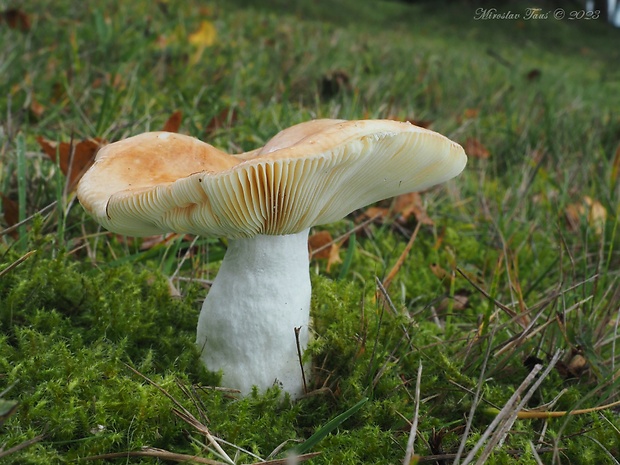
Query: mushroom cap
(311, 173)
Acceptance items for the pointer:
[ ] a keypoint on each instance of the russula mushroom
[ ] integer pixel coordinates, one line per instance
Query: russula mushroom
(264, 202)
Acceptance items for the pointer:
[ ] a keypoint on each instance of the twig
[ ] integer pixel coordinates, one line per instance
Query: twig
(530, 414)
(301, 363)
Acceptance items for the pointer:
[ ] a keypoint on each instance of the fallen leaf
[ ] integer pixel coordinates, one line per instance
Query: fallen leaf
(471, 113)
(459, 302)
(379, 213)
(322, 246)
(11, 212)
(36, 109)
(75, 158)
(475, 149)
(202, 38)
(334, 256)
(174, 122)
(149, 242)
(16, 19)
(533, 75)
(319, 244)
(406, 205)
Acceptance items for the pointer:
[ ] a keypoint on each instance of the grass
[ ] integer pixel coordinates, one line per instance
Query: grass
(96, 341)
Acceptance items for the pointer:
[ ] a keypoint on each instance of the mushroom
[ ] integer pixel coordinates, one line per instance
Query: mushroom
(257, 312)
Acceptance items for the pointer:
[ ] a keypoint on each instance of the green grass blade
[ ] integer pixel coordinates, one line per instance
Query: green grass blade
(348, 258)
(22, 183)
(328, 428)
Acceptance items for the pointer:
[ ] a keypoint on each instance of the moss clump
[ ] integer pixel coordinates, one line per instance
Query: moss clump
(67, 333)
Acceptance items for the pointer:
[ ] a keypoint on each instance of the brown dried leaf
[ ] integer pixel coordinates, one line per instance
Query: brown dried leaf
(36, 109)
(459, 303)
(471, 113)
(475, 149)
(174, 122)
(318, 244)
(74, 161)
(406, 205)
(149, 242)
(533, 75)
(334, 256)
(379, 213)
(11, 210)
(322, 246)
(16, 19)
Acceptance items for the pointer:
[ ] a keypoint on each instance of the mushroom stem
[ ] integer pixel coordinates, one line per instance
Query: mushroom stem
(247, 324)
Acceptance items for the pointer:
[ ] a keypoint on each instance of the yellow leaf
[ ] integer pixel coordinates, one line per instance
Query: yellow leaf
(204, 37)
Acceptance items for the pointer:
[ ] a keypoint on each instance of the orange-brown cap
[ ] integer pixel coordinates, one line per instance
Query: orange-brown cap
(312, 173)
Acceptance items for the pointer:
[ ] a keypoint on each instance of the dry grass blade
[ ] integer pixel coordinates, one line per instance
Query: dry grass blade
(26, 220)
(502, 416)
(535, 453)
(446, 457)
(23, 445)
(17, 262)
(392, 307)
(186, 415)
(474, 404)
(414, 425)
(289, 460)
(498, 429)
(345, 235)
(530, 331)
(527, 414)
(509, 311)
(157, 453)
(403, 256)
